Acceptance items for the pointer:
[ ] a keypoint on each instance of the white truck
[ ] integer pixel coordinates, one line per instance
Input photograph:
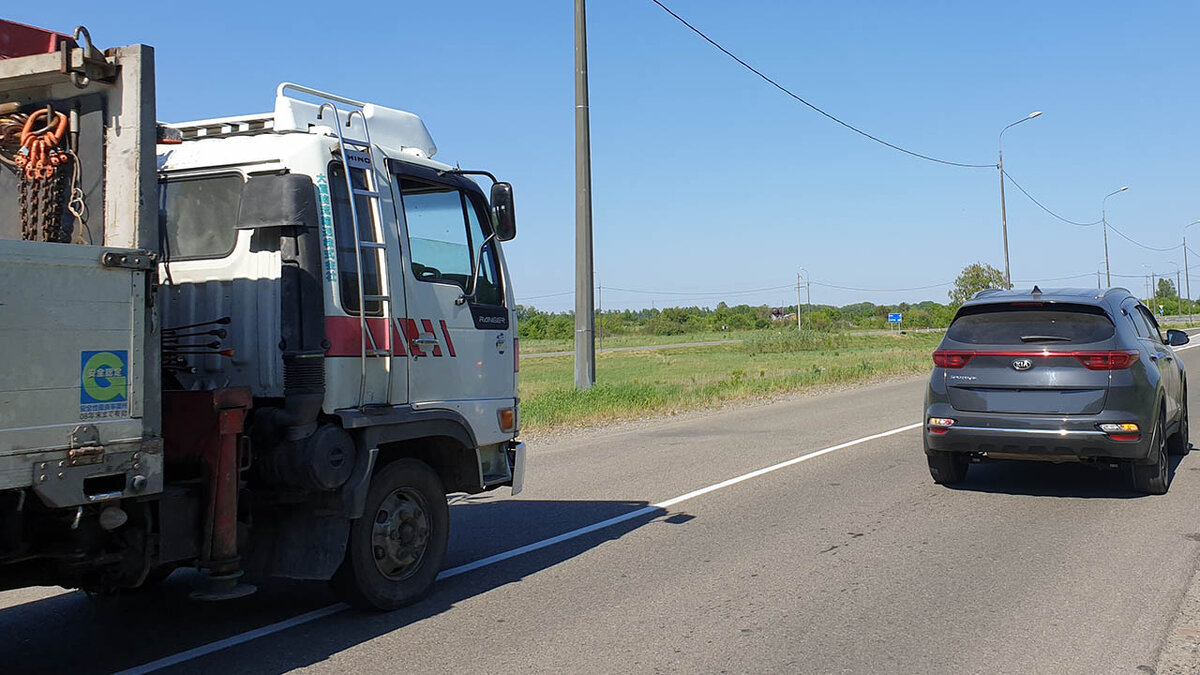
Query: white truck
(265, 345)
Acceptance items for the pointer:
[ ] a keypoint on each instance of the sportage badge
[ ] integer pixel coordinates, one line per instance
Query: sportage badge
(1022, 364)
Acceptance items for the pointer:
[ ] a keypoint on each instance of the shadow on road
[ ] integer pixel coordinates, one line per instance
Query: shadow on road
(1041, 479)
(110, 634)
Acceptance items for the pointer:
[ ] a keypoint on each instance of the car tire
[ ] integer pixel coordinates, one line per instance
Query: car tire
(1178, 443)
(396, 548)
(947, 468)
(1154, 478)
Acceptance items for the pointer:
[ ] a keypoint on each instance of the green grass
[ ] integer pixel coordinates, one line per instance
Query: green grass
(530, 346)
(659, 382)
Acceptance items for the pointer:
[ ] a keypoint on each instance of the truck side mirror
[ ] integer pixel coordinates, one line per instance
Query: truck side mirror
(504, 219)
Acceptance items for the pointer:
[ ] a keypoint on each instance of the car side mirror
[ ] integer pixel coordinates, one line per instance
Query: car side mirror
(504, 219)
(1176, 338)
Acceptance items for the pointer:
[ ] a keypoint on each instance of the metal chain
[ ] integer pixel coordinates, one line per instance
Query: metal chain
(40, 193)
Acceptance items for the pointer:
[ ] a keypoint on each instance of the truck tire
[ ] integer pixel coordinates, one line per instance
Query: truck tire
(1153, 478)
(947, 468)
(396, 549)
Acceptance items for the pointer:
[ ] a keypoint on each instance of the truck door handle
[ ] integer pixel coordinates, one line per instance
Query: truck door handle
(426, 339)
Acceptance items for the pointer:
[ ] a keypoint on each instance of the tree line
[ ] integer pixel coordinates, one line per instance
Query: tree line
(536, 324)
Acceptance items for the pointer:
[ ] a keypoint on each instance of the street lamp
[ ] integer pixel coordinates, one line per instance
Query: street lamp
(1104, 221)
(1186, 278)
(1003, 214)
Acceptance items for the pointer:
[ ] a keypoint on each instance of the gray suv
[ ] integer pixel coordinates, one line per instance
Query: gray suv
(1059, 375)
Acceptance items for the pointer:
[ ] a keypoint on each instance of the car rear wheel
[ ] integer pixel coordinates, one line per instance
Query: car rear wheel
(1152, 479)
(947, 468)
(1178, 444)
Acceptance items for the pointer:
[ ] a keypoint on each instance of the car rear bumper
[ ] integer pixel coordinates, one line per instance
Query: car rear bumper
(1035, 436)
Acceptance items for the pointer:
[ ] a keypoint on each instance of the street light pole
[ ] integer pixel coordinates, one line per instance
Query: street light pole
(585, 320)
(1104, 221)
(1186, 278)
(1003, 213)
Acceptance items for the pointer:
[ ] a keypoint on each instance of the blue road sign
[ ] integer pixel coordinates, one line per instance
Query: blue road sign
(894, 318)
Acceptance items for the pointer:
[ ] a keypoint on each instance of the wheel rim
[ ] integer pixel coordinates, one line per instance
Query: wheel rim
(400, 534)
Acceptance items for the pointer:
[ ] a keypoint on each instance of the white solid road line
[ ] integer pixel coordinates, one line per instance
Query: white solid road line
(660, 507)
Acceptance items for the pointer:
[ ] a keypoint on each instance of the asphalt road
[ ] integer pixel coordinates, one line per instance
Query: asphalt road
(851, 561)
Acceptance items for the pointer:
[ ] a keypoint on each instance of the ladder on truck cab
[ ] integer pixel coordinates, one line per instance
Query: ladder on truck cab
(363, 157)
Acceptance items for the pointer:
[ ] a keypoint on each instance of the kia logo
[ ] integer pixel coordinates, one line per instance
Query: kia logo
(1022, 364)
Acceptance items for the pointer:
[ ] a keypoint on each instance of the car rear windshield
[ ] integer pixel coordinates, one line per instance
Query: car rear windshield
(1045, 325)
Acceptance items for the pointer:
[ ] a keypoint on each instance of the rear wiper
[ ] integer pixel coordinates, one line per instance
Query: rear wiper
(1044, 338)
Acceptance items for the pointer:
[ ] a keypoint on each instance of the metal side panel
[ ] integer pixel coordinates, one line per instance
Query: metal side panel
(73, 336)
(252, 304)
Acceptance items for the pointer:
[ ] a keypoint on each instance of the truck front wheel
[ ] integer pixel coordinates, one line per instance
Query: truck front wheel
(396, 549)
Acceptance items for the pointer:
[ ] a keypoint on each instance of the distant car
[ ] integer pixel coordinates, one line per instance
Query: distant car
(1059, 375)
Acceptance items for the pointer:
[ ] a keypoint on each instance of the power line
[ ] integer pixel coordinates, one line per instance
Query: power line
(1073, 276)
(1138, 243)
(547, 295)
(881, 290)
(1091, 224)
(700, 294)
(787, 91)
(1043, 206)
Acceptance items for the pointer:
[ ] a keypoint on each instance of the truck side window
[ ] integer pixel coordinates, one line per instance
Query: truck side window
(488, 290)
(444, 235)
(343, 230)
(198, 216)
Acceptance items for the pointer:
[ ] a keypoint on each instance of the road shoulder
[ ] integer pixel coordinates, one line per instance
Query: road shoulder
(1180, 654)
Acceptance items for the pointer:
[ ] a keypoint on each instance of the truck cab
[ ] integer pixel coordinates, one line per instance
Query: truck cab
(319, 345)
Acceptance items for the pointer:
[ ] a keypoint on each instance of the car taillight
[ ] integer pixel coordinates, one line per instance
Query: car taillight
(939, 425)
(1107, 360)
(1121, 432)
(948, 358)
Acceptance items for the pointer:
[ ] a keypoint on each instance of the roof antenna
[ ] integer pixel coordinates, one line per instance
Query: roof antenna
(1036, 290)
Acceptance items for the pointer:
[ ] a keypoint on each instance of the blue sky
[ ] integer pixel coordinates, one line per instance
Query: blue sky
(708, 182)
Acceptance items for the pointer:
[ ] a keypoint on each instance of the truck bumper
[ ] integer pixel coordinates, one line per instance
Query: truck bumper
(87, 475)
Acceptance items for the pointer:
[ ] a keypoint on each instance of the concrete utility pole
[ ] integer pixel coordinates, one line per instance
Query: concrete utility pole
(799, 306)
(1177, 298)
(1186, 278)
(585, 320)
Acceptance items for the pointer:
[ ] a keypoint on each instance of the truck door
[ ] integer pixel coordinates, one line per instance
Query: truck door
(347, 371)
(460, 349)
